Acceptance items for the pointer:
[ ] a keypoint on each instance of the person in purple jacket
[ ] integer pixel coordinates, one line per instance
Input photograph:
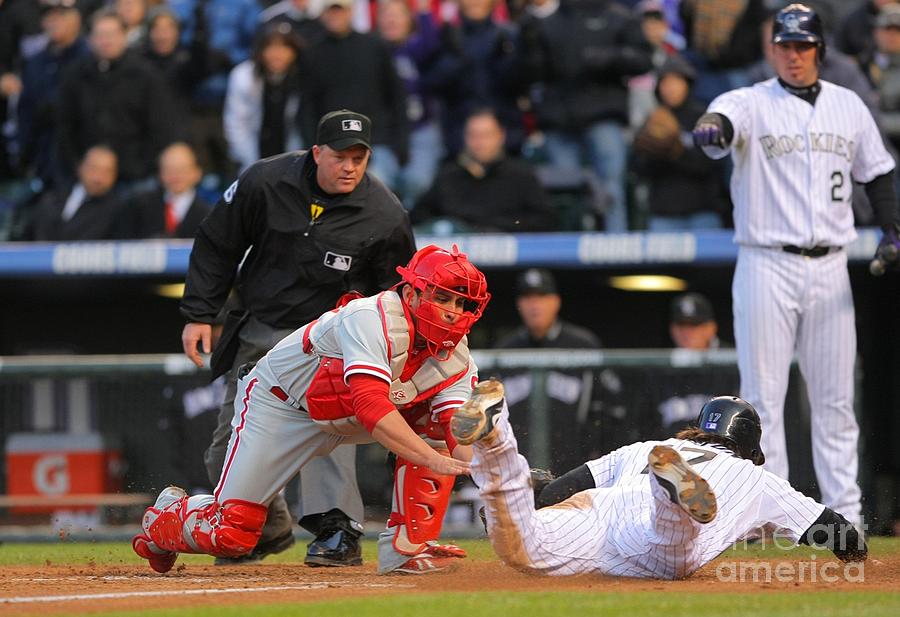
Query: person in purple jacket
(414, 40)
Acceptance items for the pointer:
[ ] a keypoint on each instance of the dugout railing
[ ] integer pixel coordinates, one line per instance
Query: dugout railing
(158, 411)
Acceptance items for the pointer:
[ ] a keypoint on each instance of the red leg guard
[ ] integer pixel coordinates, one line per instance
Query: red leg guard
(420, 502)
(231, 530)
(228, 530)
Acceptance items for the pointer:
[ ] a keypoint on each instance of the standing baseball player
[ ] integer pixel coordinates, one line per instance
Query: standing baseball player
(385, 368)
(798, 144)
(642, 510)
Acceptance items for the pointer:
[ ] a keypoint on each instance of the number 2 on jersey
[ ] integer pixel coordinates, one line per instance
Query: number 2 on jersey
(837, 183)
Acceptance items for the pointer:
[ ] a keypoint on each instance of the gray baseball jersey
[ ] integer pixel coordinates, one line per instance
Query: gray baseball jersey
(628, 526)
(271, 437)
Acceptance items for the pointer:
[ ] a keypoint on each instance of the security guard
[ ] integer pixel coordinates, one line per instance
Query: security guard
(313, 225)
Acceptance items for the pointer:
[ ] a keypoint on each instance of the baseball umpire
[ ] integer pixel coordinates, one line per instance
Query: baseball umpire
(305, 227)
(654, 509)
(798, 144)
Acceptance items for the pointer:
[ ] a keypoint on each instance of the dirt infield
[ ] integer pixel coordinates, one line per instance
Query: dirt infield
(94, 589)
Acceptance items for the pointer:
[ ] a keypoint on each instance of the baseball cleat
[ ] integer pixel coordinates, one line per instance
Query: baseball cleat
(425, 563)
(160, 559)
(475, 418)
(685, 486)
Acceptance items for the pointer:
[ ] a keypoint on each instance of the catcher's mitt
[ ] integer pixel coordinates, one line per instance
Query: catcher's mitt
(660, 137)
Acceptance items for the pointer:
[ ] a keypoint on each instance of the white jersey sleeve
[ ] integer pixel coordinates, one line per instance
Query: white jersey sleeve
(456, 393)
(733, 105)
(782, 505)
(362, 340)
(608, 468)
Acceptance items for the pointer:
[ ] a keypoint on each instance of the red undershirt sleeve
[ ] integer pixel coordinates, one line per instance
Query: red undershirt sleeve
(370, 399)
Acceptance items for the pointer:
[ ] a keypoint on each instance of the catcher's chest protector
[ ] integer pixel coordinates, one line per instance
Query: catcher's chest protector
(328, 398)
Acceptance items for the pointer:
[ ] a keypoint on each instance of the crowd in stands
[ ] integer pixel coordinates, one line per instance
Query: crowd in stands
(488, 115)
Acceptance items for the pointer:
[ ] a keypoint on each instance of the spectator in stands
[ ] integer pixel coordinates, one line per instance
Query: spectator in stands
(263, 98)
(115, 97)
(579, 55)
(484, 189)
(20, 38)
(39, 102)
(134, 14)
(686, 188)
(855, 34)
(181, 66)
(301, 16)
(665, 42)
(692, 323)
(229, 27)
(356, 71)
(87, 210)
(722, 42)
(174, 210)
(884, 69)
(414, 40)
(479, 65)
(538, 303)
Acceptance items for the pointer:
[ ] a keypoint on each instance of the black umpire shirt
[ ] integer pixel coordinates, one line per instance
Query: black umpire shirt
(306, 247)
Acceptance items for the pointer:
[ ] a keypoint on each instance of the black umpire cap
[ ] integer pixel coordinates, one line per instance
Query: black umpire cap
(343, 129)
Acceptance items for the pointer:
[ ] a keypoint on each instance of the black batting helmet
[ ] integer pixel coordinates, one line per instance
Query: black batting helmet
(734, 419)
(798, 22)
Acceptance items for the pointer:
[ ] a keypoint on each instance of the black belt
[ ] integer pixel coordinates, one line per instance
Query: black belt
(816, 251)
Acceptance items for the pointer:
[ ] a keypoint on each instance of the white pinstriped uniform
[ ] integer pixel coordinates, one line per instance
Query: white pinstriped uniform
(794, 164)
(628, 526)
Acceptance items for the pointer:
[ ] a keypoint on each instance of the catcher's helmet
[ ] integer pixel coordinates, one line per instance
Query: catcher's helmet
(734, 419)
(433, 268)
(798, 22)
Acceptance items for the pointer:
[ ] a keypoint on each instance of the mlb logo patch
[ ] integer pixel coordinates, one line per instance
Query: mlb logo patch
(711, 426)
(351, 125)
(338, 262)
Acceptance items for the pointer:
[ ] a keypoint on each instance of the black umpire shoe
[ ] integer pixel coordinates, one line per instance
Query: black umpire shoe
(337, 541)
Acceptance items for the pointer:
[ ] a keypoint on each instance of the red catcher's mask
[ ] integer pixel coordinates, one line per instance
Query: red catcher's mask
(433, 268)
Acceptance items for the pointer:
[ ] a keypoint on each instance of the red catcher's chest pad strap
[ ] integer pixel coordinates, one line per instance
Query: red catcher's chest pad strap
(328, 397)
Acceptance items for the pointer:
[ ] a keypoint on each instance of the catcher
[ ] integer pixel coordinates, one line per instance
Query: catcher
(643, 510)
(686, 188)
(389, 368)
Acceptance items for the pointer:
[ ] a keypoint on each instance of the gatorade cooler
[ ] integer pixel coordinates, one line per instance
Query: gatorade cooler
(56, 465)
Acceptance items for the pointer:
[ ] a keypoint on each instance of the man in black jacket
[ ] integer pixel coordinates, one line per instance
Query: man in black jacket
(483, 189)
(317, 226)
(115, 97)
(580, 55)
(174, 209)
(85, 210)
(356, 70)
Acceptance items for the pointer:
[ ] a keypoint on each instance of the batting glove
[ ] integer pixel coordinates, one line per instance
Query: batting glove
(887, 255)
(707, 134)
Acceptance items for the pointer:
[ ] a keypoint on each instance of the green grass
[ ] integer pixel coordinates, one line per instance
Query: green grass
(821, 603)
(568, 604)
(120, 553)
